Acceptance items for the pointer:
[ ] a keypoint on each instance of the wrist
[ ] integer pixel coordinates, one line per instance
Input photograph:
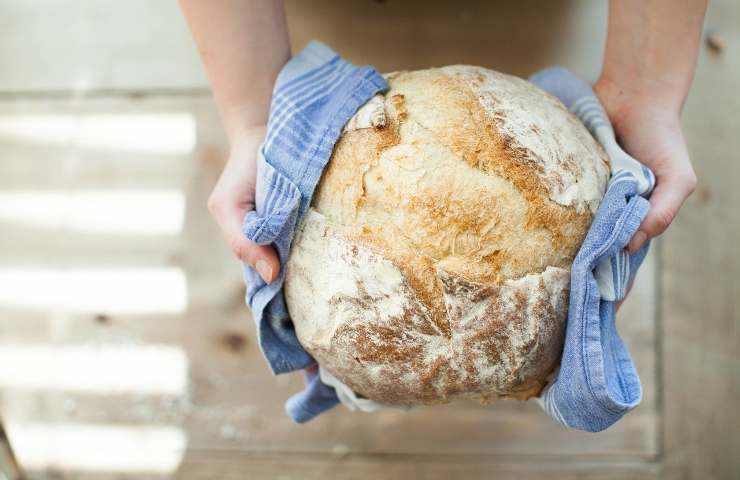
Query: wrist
(624, 102)
(243, 122)
(247, 135)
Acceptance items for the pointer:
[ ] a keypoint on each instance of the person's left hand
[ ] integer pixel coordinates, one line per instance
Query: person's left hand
(651, 133)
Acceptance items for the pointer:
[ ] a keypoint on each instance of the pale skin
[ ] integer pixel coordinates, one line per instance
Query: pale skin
(649, 63)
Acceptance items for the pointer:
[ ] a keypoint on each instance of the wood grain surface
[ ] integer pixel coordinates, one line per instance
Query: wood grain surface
(78, 400)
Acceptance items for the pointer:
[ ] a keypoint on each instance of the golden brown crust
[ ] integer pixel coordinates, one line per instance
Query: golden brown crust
(374, 334)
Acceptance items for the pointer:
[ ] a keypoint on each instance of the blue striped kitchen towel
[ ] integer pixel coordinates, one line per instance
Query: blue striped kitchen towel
(597, 382)
(315, 94)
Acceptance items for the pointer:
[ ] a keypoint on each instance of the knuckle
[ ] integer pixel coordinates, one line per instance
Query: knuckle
(215, 205)
(687, 180)
(663, 219)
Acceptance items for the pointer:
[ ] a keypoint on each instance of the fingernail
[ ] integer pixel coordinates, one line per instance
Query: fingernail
(264, 269)
(637, 240)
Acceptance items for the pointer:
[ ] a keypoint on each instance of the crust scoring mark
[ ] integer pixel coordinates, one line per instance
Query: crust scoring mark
(556, 155)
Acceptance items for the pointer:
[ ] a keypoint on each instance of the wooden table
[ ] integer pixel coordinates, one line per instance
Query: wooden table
(125, 348)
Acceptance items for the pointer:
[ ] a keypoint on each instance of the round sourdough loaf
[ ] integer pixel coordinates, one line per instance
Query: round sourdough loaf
(434, 260)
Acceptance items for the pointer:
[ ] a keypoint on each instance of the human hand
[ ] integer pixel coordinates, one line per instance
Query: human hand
(233, 196)
(651, 132)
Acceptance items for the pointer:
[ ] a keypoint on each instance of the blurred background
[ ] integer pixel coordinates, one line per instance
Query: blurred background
(126, 350)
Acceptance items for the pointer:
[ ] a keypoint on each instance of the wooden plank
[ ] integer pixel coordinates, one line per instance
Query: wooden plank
(700, 287)
(513, 37)
(233, 465)
(391, 467)
(101, 45)
(89, 46)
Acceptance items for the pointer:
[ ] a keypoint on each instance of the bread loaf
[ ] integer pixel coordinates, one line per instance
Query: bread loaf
(434, 260)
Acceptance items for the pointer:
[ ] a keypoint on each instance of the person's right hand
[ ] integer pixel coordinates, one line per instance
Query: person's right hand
(233, 197)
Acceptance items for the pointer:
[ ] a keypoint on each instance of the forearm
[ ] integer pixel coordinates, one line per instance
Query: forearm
(649, 63)
(651, 50)
(243, 45)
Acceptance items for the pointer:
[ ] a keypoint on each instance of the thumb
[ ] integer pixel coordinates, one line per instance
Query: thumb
(262, 258)
(666, 200)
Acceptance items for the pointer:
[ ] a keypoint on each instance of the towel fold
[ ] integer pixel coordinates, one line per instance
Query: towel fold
(597, 382)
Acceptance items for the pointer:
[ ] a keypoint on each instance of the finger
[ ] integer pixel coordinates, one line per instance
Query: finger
(666, 200)
(263, 258)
